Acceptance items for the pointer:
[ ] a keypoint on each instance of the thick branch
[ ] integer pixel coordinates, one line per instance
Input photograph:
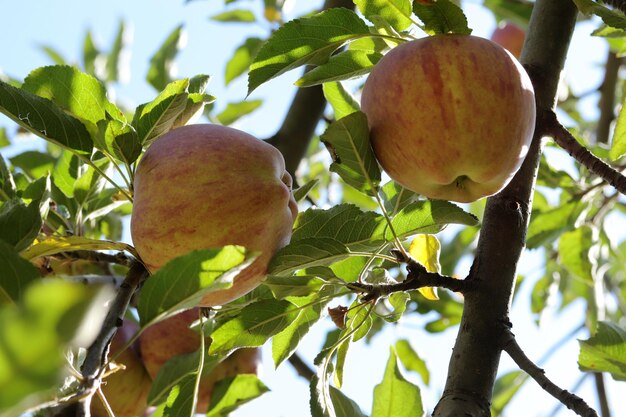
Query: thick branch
(96, 354)
(476, 356)
(566, 141)
(607, 97)
(307, 107)
(571, 401)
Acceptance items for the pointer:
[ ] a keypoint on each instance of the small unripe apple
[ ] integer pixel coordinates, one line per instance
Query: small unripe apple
(205, 186)
(509, 36)
(451, 117)
(126, 390)
(171, 337)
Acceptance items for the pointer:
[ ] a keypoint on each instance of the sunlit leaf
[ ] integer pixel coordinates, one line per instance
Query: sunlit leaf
(605, 351)
(441, 16)
(342, 66)
(235, 15)
(253, 326)
(52, 245)
(161, 68)
(342, 102)
(305, 41)
(231, 393)
(425, 249)
(395, 396)
(411, 360)
(241, 59)
(182, 282)
(610, 17)
(396, 12)
(235, 111)
(618, 146)
(307, 253)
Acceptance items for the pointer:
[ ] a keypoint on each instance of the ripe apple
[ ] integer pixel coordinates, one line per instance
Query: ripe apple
(509, 36)
(126, 390)
(171, 337)
(204, 186)
(451, 117)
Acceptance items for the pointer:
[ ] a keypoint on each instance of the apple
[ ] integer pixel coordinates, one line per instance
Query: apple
(126, 390)
(204, 186)
(509, 36)
(168, 338)
(451, 117)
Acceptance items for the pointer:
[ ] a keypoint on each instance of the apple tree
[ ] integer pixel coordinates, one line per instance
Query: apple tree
(89, 326)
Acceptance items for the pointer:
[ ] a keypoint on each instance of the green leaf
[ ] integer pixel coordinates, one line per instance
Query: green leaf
(253, 326)
(305, 41)
(175, 371)
(426, 216)
(35, 334)
(114, 61)
(180, 401)
(353, 157)
(505, 388)
(398, 302)
(54, 55)
(66, 172)
(241, 59)
(345, 65)
(441, 16)
(396, 197)
(342, 102)
(395, 396)
(295, 286)
(344, 406)
(118, 139)
(90, 54)
(578, 251)
(235, 111)
(284, 344)
(53, 245)
(231, 393)
(34, 164)
(546, 226)
(396, 12)
(236, 15)
(161, 63)
(608, 16)
(307, 253)
(20, 223)
(519, 12)
(44, 118)
(183, 281)
(17, 273)
(411, 360)
(605, 351)
(301, 192)
(76, 92)
(157, 117)
(7, 184)
(618, 146)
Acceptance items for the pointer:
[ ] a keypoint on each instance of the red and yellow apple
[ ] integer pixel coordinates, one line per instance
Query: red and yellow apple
(171, 337)
(451, 117)
(510, 37)
(126, 390)
(204, 186)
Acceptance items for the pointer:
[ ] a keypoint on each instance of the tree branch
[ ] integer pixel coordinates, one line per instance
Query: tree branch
(566, 141)
(571, 401)
(476, 354)
(119, 258)
(301, 367)
(96, 353)
(607, 97)
(418, 277)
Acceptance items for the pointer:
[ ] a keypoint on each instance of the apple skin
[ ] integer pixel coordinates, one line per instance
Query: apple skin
(161, 341)
(509, 36)
(204, 186)
(126, 390)
(451, 117)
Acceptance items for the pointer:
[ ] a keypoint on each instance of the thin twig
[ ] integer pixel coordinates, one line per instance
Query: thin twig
(96, 353)
(580, 153)
(607, 97)
(571, 401)
(418, 277)
(301, 367)
(119, 258)
(603, 400)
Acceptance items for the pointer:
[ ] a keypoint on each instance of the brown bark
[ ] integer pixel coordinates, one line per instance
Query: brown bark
(476, 355)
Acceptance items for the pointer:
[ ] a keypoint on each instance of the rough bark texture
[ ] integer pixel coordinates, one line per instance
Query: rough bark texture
(476, 355)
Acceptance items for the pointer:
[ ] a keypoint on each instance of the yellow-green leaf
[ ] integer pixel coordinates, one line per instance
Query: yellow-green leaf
(53, 245)
(426, 249)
